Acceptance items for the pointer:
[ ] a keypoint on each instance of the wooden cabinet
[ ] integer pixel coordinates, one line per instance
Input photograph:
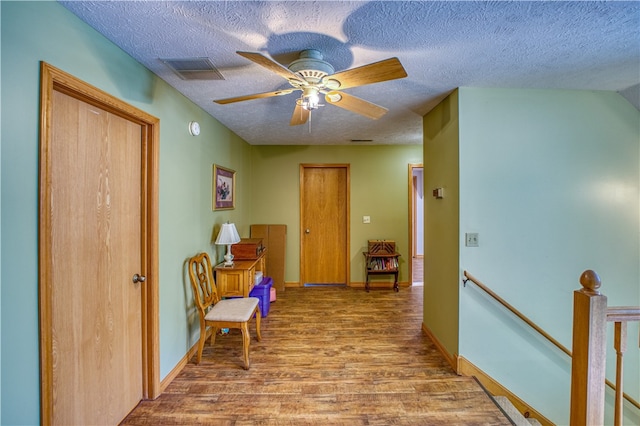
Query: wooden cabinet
(239, 279)
(380, 264)
(275, 239)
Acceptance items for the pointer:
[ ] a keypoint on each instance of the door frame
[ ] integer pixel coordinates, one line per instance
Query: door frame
(347, 260)
(412, 218)
(53, 79)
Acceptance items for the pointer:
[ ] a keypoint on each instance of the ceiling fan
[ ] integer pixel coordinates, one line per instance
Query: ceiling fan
(313, 76)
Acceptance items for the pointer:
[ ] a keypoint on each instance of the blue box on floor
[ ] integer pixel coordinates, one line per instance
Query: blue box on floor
(263, 292)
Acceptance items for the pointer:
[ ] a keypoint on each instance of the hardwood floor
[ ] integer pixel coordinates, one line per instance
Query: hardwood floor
(328, 356)
(417, 272)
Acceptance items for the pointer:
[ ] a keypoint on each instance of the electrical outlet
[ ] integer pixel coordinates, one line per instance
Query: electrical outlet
(471, 239)
(366, 219)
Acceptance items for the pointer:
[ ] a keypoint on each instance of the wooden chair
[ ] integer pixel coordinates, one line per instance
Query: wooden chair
(220, 313)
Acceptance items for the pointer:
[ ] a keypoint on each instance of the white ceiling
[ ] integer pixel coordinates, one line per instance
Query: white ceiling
(442, 45)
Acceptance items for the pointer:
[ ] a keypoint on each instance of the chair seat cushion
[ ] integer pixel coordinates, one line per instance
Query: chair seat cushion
(235, 310)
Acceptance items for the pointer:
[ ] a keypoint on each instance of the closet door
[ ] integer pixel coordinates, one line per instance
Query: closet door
(324, 230)
(97, 258)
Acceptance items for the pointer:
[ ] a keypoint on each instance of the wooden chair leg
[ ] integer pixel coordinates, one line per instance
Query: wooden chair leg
(203, 338)
(246, 341)
(214, 331)
(258, 317)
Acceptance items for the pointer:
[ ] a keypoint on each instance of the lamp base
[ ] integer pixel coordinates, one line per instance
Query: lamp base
(228, 258)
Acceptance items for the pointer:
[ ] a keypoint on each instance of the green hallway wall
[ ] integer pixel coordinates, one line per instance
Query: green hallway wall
(558, 193)
(379, 188)
(45, 31)
(551, 182)
(441, 223)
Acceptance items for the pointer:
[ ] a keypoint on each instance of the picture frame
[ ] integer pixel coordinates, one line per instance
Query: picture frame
(223, 188)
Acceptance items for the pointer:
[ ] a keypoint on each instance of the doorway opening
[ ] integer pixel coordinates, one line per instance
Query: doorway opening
(416, 224)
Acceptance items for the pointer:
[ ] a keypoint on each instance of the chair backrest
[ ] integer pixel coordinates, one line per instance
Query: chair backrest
(205, 292)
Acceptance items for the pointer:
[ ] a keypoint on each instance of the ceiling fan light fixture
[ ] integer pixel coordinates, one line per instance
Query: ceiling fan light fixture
(309, 99)
(310, 102)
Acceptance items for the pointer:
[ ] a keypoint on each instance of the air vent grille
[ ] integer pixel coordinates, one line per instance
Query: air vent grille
(194, 68)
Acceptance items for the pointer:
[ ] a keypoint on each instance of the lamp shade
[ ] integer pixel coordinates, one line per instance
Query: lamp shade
(228, 234)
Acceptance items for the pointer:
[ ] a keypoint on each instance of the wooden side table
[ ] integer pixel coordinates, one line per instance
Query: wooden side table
(380, 264)
(238, 280)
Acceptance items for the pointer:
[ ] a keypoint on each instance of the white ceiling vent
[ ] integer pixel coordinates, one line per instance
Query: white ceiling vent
(194, 68)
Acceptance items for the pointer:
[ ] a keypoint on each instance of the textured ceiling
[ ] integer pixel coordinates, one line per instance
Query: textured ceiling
(442, 45)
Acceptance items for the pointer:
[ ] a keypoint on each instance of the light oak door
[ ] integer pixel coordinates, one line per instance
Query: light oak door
(324, 224)
(95, 219)
(97, 227)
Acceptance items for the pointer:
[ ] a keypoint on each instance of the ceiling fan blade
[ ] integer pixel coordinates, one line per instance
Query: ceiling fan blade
(299, 116)
(254, 96)
(355, 104)
(270, 64)
(389, 69)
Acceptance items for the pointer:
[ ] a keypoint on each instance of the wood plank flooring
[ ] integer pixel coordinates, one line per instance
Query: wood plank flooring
(417, 269)
(328, 356)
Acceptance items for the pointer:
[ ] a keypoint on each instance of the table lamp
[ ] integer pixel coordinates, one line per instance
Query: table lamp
(228, 235)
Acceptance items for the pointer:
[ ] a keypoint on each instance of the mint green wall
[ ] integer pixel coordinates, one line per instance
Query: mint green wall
(550, 181)
(379, 188)
(44, 31)
(441, 170)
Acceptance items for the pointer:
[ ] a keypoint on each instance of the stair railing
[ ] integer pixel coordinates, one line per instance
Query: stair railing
(469, 277)
(588, 363)
(590, 317)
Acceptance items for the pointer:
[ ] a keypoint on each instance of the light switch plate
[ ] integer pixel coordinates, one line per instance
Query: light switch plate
(366, 219)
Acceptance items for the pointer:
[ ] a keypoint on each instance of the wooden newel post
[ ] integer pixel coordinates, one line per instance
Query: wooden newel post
(589, 352)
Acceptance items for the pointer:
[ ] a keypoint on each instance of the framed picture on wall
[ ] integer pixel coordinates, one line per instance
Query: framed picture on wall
(224, 188)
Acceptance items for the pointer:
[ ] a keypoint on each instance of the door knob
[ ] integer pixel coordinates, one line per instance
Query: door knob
(306, 231)
(139, 278)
